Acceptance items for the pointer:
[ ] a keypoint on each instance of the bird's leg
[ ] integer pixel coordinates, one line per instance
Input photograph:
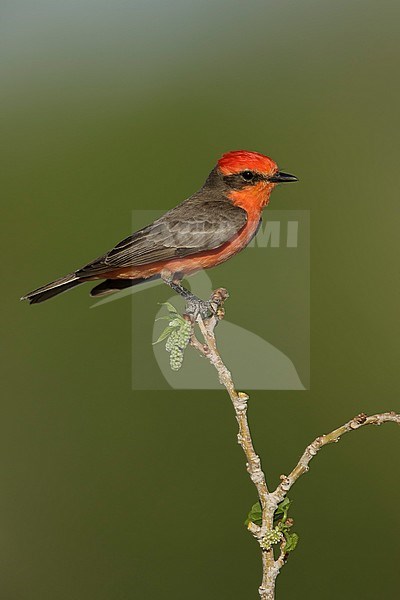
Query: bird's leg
(194, 305)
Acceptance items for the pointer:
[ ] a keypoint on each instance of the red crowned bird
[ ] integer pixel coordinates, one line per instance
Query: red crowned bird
(205, 230)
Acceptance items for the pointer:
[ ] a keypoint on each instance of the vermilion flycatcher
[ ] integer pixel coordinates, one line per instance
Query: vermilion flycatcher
(203, 231)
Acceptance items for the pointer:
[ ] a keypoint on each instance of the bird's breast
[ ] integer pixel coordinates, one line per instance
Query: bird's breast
(212, 258)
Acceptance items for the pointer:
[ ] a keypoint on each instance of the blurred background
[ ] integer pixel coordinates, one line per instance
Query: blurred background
(108, 492)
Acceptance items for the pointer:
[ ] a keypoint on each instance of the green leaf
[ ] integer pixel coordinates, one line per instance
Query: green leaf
(170, 307)
(291, 541)
(176, 321)
(164, 318)
(282, 510)
(167, 331)
(283, 506)
(255, 514)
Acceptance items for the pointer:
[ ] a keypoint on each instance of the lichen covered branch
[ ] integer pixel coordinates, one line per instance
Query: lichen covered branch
(239, 400)
(264, 531)
(334, 436)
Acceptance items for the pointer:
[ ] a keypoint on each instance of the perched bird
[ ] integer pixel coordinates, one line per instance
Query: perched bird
(203, 231)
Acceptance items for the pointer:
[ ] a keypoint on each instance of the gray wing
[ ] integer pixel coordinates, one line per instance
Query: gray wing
(193, 226)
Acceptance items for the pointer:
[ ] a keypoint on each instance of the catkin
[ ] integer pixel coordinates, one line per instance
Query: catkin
(177, 342)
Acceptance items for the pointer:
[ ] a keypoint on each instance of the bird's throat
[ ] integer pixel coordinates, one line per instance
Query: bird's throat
(253, 200)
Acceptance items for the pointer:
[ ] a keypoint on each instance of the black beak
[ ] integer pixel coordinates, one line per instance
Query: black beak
(281, 177)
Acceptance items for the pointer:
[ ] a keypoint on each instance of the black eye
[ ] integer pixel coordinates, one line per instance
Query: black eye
(247, 175)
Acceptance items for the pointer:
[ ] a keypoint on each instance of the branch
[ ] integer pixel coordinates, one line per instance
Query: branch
(267, 535)
(239, 400)
(335, 435)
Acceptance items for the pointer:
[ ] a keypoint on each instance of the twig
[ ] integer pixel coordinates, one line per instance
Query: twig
(268, 500)
(334, 436)
(239, 401)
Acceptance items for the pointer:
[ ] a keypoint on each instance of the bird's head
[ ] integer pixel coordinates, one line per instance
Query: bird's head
(250, 177)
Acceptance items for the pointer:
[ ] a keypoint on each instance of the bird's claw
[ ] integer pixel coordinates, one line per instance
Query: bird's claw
(206, 308)
(197, 307)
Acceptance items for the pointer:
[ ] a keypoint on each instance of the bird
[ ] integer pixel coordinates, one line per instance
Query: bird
(203, 231)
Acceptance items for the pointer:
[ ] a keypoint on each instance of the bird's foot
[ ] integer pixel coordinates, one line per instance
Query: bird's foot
(206, 309)
(195, 306)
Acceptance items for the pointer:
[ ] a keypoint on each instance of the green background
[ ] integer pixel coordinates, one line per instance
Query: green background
(108, 493)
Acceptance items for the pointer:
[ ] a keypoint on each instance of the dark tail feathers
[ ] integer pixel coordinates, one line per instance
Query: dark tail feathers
(114, 285)
(53, 289)
(66, 283)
